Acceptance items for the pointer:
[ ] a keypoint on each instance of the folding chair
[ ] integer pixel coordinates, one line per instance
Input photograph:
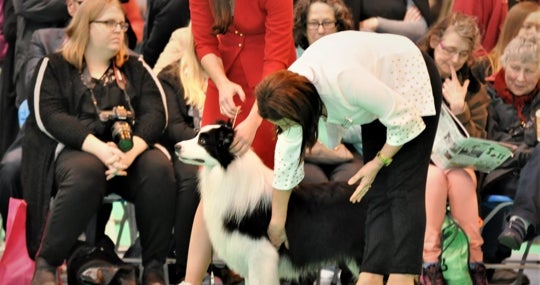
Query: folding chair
(499, 204)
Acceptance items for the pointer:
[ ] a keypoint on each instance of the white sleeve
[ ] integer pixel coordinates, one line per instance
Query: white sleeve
(288, 172)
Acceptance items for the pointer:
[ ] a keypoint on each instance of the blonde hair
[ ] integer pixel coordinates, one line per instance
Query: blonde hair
(192, 75)
(512, 24)
(78, 33)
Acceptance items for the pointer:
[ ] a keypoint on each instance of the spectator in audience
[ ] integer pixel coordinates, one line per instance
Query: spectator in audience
(330, 158)
(367, 82)
(33, 15)
(135, 20)
(490, 64)
(44, 41)
(237, 52)
(452, 42)
(82, 97)
(531, 25)
(8, 110)
(3, 43)
(489, 14)
(515, 101)
(163, 17)
(410, 18)
(184, 83)
(174, 50)
(21, 19)
(439, 9)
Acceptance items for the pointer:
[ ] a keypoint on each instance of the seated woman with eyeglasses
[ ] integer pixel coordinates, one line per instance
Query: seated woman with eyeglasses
(83, 97)
(451, 42)
(515, 103)
(331, 158)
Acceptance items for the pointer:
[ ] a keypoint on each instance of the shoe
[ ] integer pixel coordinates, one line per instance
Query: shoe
(514, 235)
(432, 275)
(212, 280)
(478, 274)
(45, 273)
(507, 276)
(153, 274)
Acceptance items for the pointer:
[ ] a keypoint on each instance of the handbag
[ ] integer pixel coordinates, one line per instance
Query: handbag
(100, 265)
(16, 266)
(455, 253)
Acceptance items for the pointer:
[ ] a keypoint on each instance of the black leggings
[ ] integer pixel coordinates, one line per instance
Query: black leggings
(81, 184)
(396, 217)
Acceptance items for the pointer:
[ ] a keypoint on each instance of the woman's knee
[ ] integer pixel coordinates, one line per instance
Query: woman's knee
(83, 171)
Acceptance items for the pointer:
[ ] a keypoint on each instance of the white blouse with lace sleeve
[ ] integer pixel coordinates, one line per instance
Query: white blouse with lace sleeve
(287, 171)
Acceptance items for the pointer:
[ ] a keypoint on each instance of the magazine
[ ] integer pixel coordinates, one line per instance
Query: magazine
(453, 147)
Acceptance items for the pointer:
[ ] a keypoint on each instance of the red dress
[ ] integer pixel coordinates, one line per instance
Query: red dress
(258, 42)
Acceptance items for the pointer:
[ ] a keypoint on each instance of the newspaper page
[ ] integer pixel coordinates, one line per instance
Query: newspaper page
(454, 148)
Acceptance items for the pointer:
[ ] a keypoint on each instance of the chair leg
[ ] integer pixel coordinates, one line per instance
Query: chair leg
(523, 261)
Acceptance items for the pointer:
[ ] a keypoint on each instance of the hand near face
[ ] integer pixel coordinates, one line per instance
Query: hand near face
(454, 92)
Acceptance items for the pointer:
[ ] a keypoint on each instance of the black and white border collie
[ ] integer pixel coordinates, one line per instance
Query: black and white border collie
(322, 227)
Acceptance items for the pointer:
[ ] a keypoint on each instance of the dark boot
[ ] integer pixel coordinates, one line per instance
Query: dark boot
(45, 274)
(514, 234)
(153, 274)
(432, 275)
(478, 274)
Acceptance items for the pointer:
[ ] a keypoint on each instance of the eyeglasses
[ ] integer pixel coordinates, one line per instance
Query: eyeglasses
(451, 51)
(325, 24)
(112, 24)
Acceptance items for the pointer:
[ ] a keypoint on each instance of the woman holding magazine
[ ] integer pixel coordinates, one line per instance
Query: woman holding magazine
(451, 43)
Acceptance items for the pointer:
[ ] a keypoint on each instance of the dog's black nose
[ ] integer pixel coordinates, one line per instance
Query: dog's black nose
(177, 149)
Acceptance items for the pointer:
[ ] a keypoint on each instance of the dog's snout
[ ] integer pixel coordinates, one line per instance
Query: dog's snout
(177, 148)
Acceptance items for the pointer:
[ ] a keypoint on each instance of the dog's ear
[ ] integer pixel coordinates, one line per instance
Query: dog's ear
(226, 135)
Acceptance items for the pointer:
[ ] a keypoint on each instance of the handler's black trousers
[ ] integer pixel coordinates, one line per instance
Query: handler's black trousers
(396, 218)
(81, 186)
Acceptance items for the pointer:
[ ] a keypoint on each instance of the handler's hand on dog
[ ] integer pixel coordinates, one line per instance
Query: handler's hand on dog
(227, 92)
(367, 173)
(243, 137)
(277, 235)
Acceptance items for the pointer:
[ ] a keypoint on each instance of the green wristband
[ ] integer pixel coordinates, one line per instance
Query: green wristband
(385, 160)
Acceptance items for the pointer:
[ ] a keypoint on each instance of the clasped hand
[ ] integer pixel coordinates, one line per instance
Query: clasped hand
(115, 160)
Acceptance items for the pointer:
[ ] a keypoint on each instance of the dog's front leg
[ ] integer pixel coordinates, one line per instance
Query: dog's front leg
(263, 266)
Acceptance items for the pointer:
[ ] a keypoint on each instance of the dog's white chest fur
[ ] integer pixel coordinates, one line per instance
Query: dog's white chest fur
(232, 194)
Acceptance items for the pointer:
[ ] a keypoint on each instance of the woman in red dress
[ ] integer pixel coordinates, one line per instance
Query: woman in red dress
(239, 42)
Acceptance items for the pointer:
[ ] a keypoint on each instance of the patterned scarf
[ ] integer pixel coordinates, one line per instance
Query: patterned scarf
(519, 102)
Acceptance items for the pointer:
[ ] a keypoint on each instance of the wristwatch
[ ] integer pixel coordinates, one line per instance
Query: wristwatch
(385, 160)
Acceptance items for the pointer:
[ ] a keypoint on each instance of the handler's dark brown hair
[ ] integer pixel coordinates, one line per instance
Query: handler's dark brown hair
(287, 95)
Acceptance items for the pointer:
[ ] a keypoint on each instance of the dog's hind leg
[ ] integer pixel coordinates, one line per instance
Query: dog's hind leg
(263, 266)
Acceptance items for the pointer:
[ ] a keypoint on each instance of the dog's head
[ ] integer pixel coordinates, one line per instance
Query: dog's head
(210, 147)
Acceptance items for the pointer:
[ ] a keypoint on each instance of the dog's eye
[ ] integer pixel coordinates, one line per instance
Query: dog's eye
(202, 141)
